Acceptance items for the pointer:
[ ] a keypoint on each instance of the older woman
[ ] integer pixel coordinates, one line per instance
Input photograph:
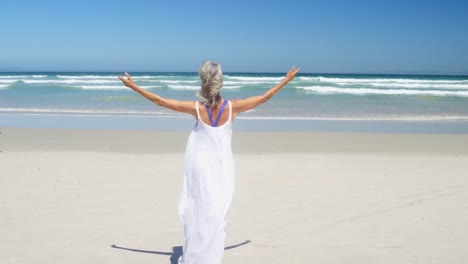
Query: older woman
(209, 165)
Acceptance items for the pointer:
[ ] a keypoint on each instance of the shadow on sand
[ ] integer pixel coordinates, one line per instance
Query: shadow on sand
(176, 251)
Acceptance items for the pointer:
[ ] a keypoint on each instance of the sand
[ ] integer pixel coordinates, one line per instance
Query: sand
(96, 196)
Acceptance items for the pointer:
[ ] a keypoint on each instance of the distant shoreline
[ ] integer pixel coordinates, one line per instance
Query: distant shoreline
(185, 123)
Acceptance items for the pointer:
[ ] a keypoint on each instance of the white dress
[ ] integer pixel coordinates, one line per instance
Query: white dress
(207, 191)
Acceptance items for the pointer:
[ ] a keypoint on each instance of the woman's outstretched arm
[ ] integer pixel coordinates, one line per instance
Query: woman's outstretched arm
(242, 105)
(176, 105)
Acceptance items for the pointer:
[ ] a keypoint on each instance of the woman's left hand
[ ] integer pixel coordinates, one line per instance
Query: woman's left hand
(292, 73)
(129, 82)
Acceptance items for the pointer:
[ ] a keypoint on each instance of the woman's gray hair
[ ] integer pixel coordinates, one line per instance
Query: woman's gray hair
(211, 76)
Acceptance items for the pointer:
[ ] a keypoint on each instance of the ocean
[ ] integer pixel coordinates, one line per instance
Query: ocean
(311, 102)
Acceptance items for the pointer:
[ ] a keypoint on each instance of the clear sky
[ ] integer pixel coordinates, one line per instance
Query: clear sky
(333, 36)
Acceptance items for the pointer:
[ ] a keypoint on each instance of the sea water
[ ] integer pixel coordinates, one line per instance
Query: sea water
(311, 102)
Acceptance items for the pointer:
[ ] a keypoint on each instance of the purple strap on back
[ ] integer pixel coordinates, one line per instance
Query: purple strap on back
(219, 114)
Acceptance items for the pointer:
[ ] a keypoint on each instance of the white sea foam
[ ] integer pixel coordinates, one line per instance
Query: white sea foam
(154, 77)
(110, 87)
(87, 76)
(104, 76)
(147, 78)
(248, 78)
(149, 86)
(39, 76)
(183, 87)
(231, 87)
(248, 82)
(179, 81)
(364, 91)
(308, 79)
(3, 86)
(388, 82)
(8, 81)
(69, 81)
(191, 87)
(372, 80)
(13, 76)
(379, 80)
(103, 87)
(157, 77)
(417, 85)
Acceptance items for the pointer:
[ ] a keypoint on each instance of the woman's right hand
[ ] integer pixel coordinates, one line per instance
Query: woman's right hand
(292, 73)
(129, 82)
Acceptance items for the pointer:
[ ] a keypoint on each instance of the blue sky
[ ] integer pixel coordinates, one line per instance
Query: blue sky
(248, 36)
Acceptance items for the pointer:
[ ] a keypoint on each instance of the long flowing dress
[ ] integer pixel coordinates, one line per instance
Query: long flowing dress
(207, 192)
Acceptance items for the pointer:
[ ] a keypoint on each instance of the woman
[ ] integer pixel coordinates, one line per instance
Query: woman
(209, 165)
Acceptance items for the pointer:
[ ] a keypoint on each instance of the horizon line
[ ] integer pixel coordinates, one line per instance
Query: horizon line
(461, 74)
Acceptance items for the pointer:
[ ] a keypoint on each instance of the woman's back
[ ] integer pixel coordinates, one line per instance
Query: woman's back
(215, 111)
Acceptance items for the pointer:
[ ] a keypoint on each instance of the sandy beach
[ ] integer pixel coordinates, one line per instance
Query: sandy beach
(104, 196)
